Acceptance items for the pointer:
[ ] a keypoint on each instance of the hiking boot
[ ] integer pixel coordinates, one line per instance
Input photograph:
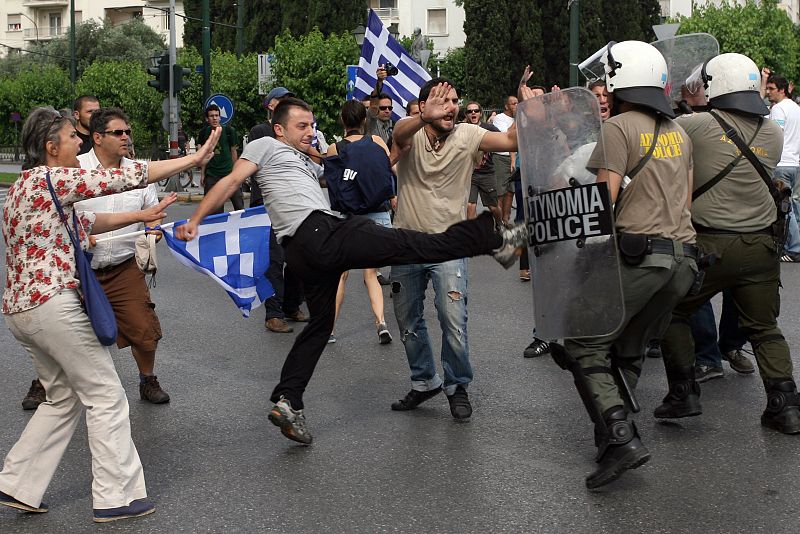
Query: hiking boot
(704, 373)
(384, 280)
(538, 347)
(739, 362)
(460, 408)
(653, 350)
(525, 275)
(515, 239)
(150, 390)
(619, 449)
(683, 397)
(136, 508)
(414, 398)
(384, 336)
(276, 324)
(36, 395)
(11, 502)
(783, 406)
(291, 422)
(297, 316)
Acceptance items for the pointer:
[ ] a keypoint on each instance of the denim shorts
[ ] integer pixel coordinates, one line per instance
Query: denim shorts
(382, 218)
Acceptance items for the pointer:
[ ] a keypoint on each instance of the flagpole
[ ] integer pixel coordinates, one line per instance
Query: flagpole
(142, 232)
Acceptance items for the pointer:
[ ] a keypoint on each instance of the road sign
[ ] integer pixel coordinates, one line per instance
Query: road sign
(265, 77)
(665, 31)
(225, 106)
(351, 80)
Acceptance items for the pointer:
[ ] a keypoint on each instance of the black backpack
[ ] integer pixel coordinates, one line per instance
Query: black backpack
(359, 177)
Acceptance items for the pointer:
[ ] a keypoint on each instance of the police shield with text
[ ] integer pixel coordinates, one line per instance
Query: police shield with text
(739, 215)
(655, 239)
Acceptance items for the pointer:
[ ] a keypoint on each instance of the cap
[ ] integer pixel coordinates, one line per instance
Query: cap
(278, 92)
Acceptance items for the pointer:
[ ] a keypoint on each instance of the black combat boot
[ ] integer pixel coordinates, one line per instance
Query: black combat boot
(683, 398)
(783, 406)
(618, 450)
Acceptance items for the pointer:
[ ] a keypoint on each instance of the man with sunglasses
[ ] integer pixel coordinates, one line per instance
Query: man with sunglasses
(483, 180)
(113, 262)
(382, 124)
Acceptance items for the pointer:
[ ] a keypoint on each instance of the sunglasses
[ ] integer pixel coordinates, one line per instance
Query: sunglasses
(118, 133)
(384, 108)
(473, 111)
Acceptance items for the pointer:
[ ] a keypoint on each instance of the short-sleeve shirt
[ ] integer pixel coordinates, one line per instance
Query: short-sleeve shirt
(503, 122)
(289, 182)
(486, 165)
(433, 187)
(740, 201)
(222, 162)
(655, 203)
(787, 114)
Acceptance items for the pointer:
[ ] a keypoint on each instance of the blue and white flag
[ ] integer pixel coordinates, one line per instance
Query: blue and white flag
(378, 49)
(233, 249)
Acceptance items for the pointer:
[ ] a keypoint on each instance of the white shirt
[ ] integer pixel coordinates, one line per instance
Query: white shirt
(116, 251)
(503, 123)
(787, 114)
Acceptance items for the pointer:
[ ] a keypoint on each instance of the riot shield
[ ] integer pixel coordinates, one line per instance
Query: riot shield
(572, 245)
(684, 54)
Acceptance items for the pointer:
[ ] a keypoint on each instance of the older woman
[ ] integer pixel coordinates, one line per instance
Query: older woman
(43, 310)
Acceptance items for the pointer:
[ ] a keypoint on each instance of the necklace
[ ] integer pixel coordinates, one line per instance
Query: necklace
(435, 140)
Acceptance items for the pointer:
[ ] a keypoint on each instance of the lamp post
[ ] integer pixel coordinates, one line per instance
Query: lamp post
(394, 32)
(359, 32)
(35, 26)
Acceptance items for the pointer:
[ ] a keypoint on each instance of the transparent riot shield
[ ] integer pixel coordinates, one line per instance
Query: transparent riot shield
(684, 54)
(572, 246)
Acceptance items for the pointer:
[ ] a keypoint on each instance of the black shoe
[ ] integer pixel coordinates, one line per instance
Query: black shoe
(136, 508)
(11, 502)
(150, 390)
(414, 398)
(538, 347)
(783, 407)
(36, 395)
(460, 408)
(653, 350)
(620, 449)
(384, 280)
(683, 397)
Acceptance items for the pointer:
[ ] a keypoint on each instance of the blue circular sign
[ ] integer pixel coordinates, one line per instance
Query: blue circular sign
(225, 106)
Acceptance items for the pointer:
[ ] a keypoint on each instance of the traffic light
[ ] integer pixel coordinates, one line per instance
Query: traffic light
(178, 83)
(161, 72)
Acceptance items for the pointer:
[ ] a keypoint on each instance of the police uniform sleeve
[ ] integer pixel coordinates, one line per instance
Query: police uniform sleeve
(611, 151)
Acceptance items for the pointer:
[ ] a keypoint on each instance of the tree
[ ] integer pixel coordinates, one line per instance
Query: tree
(38, 85)
(454, 67)
(526, 44)
(622, 20)
(487, 54)
(314, 67)
(762, 31)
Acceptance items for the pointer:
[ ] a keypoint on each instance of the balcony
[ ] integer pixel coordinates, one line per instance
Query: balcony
(45, 33)
(44, 3)
(388, 15)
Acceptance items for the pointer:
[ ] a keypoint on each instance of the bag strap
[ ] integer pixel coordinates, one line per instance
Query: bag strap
(646, 157)
(72, 236)
(733, 135)
(724, 172)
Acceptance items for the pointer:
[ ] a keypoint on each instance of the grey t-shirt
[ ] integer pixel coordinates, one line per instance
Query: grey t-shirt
(289, 182)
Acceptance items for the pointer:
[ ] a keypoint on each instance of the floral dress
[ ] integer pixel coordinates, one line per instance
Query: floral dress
(40, 260)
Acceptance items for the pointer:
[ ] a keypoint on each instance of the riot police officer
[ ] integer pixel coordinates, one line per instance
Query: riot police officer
(656, 242)
(734, 214)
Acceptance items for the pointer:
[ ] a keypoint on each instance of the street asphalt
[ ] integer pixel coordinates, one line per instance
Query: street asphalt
(214, 463)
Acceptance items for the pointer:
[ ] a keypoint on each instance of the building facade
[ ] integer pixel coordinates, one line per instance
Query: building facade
(674, 8)
(440, 20)
(25, 22)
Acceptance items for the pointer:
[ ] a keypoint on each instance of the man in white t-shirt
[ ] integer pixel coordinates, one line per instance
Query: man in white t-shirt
(503, 161)
(786, 113)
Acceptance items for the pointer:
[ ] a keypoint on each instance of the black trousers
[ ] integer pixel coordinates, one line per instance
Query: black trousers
(237, 199)
(325, 246)
(288, 289)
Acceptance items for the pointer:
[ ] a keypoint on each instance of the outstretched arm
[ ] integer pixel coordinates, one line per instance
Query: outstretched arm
(106, 222)
(432, 109)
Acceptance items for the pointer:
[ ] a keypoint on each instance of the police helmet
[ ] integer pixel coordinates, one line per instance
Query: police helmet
(636, 72)
(732, 82)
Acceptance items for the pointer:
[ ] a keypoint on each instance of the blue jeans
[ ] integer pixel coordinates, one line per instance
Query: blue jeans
(408, 295)
(789, 175)
(707, 350)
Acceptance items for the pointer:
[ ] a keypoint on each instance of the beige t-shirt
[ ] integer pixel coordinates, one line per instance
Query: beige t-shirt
(433, 187)
(655, 202)
(740, 201)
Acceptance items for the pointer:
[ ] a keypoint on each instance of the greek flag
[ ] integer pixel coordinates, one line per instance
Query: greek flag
(233, 249)
(378, 49)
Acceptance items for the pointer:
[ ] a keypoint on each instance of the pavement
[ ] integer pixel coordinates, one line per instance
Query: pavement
(214, 463)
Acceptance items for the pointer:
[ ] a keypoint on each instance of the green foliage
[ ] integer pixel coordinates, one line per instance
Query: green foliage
(454, 67)
(314, 68)
(761, 31)
(488, 56)
(132, 41)
(39, 85)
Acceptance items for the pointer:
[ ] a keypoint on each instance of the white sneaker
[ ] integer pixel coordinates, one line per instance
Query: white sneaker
(291, 422)
(515, 239)
(384, 337)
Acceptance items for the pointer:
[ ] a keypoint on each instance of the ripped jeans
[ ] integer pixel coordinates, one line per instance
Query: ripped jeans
(450, 289)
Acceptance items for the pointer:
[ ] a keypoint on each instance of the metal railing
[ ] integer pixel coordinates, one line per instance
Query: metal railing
(387, 13)
(11, 153)
(44, 32)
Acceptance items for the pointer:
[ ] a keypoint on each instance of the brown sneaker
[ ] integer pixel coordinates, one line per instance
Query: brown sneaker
(298, 317)
(276, 324)
(150, 390)
(36, 395)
